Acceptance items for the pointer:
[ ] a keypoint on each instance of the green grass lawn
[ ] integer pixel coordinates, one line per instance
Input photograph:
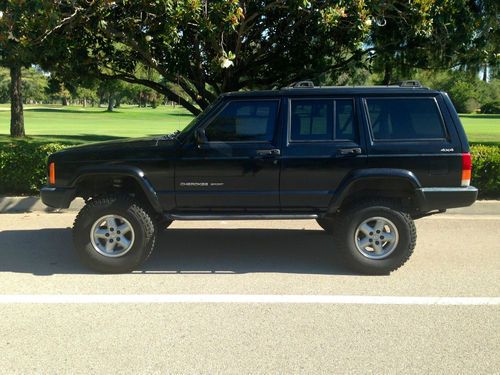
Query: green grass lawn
(79, 125)
(484, 129)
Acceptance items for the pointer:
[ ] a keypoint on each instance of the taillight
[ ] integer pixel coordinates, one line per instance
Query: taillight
(466, 169)
(52, 173)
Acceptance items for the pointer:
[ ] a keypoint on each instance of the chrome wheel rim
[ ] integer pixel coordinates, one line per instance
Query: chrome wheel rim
(376, 237)
(112, 236)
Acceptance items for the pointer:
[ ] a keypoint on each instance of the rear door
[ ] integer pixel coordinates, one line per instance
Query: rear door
(410, 133)
(323, 144)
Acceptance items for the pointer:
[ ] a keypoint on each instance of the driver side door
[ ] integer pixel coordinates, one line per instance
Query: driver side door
(235, 162)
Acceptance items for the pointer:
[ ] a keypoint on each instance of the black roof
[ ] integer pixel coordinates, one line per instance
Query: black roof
(337, 90)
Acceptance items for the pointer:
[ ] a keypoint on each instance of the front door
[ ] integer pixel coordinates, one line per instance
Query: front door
(237, 164)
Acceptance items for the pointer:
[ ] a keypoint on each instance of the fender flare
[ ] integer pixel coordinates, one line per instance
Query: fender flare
(121, 170)
(372, 174)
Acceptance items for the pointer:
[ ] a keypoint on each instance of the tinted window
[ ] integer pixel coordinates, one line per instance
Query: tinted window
(312, 119)
(416, 118)
(316, 119)
(244, 121)
(344, 120)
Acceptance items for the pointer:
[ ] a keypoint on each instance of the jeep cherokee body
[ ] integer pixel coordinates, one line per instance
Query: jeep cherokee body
(363, 161)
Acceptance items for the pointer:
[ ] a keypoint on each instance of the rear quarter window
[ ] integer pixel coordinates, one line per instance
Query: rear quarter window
(405, 118)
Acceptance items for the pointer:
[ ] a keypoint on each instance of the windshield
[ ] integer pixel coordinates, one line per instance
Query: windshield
(184, 132)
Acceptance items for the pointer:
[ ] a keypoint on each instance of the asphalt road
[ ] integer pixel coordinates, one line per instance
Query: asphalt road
(457, 255)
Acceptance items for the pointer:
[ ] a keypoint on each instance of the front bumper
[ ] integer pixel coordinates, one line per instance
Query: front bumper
(443, 198)
(57, 197)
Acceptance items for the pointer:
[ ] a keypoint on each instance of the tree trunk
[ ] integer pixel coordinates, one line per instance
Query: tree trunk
(64, 101)
(84, 102)
(485, 72)
(16, 103)
(387, 74)
(110, 103)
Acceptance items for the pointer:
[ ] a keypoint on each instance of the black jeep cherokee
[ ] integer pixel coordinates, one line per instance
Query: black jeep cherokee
(362, 161)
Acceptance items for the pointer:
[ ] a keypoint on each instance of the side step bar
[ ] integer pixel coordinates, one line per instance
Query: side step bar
(239, 216)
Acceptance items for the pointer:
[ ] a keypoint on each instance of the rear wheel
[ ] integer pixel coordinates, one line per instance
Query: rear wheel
(113, 234)
(375, 237)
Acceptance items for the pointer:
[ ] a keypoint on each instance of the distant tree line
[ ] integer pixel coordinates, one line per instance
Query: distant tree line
(190, 51)
(39, 87)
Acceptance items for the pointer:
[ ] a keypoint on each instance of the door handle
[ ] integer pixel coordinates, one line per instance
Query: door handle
(349, 151)
(272, 152)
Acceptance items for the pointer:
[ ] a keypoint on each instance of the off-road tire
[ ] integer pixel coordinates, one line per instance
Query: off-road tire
(126, 207)
(352, 217)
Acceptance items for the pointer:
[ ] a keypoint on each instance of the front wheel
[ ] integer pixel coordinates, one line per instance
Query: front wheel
(113, 234)
(376, 237)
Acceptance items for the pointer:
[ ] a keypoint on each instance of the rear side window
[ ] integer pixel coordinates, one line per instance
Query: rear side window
(246, 120)
(406, 118)
(322, 120)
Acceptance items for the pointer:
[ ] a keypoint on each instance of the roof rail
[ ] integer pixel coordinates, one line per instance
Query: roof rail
(300, 84)
(410, 83)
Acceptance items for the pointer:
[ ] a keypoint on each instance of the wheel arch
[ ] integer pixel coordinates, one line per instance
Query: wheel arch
(93, 181)
(395, 184)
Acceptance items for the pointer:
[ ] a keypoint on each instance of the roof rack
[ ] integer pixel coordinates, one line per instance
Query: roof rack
(409, 83)
(300, 84)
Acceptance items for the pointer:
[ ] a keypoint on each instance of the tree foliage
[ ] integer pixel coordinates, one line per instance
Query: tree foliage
(434, 34)
(203, 48)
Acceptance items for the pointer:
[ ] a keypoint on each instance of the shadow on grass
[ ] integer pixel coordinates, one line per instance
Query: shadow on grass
(481, 116)
(183, 251)
(79, 138)
(66, 110)
(69, 140)
(181, 115)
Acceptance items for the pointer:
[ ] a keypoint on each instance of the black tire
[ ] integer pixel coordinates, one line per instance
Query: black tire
(327, 224)
(143, 230)
(357, 260)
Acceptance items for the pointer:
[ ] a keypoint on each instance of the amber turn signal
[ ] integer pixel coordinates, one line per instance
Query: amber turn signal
(52, 173)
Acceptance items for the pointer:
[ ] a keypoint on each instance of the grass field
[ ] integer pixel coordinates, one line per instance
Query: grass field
(80, 125)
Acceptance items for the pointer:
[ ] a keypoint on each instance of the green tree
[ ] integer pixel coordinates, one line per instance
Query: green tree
(23, 27)
(431, 34)
(203, 48)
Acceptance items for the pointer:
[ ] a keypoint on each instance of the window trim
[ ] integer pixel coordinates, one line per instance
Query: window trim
(229, 101)
(325, 141)
(446, 136)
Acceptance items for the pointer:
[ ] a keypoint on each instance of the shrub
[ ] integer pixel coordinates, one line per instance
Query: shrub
(486, 170)
(491, 107)
(23, 167)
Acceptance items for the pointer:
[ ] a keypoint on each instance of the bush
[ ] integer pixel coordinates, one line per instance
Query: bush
(486, 170)
(23, 167)
(491, 107)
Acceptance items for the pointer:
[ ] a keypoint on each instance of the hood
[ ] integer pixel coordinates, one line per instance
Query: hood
(122, 149)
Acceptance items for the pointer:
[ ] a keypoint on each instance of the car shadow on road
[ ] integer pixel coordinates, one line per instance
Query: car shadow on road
(183, 251)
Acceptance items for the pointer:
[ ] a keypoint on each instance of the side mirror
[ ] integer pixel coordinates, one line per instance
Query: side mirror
(199, 136)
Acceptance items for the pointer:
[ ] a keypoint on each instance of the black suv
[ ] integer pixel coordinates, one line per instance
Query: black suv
(362, 161)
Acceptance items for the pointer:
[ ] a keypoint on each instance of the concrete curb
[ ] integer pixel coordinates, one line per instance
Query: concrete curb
(34, 204)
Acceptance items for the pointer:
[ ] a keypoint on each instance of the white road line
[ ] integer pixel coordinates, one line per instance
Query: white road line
(243, 298)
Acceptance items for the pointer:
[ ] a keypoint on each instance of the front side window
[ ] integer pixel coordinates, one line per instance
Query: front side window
(322, 120)
(401, 119)
(244, 121)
